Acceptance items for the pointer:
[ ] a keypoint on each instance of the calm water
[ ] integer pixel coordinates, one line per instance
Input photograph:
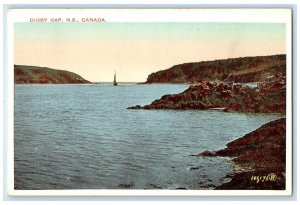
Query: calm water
(83, 137)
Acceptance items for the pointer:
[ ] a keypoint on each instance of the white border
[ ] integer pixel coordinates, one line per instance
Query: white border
(274, 15)
(151, 15)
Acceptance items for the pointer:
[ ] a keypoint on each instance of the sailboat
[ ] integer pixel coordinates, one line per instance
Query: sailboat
(115, 82)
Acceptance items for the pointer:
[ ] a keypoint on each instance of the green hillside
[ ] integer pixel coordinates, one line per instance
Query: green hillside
(246, 69)
(43, 75)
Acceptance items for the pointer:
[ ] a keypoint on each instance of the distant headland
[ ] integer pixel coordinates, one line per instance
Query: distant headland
(43, 75)
(243, 69)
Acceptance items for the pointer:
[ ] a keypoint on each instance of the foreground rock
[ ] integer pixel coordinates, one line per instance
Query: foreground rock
(260, 157)
(43, 75)
(269, 97)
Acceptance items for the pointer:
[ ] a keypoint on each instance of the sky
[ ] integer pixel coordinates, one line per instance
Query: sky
(135, 50)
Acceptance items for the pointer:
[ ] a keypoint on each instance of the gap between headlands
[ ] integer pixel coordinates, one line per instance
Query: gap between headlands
(248, 84)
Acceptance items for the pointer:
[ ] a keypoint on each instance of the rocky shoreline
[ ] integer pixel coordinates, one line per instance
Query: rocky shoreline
(259, 157)
(265, 97)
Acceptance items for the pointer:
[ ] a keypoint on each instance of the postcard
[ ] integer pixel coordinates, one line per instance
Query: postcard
(155, 102)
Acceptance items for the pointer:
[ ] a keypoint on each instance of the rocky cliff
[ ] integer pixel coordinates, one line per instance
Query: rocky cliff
(246, 69)
(42, 75)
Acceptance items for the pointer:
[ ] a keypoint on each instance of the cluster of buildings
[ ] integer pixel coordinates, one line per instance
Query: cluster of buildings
(280, 79)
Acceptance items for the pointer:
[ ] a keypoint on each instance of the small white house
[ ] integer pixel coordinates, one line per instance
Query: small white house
(237, 85)
(252, 85)
(270, 79)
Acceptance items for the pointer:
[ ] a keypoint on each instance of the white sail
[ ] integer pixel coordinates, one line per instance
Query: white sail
(115, 79)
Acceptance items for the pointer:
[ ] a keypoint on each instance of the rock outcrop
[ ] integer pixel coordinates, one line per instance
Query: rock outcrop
(268, 97)
(260, 156)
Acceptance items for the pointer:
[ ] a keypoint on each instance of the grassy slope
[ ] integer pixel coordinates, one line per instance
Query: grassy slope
(33, 74)
(247, 69)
